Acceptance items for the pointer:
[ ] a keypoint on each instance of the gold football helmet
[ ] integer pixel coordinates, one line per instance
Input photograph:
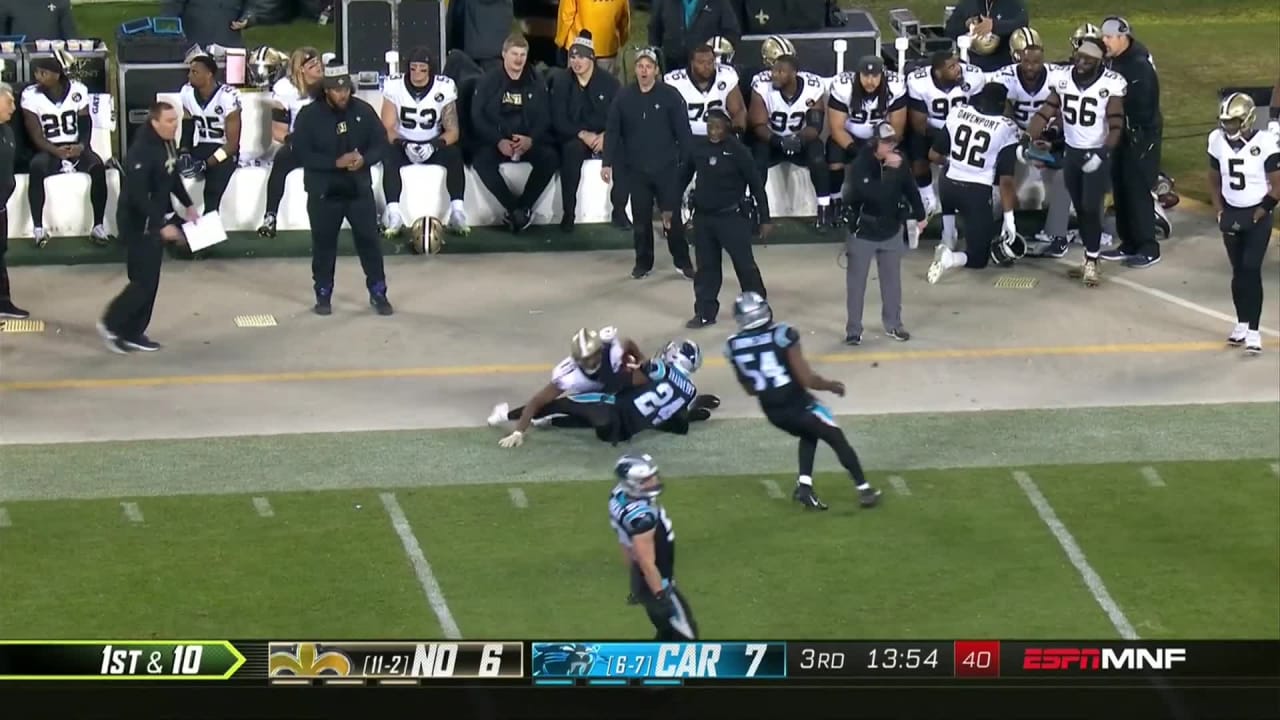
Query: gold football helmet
(722, 48)
(586, 349)
(1087, 30)
(426, 236)
(1236, 115)
(265, 65)
(774, 47)
(983, 44)
(1022, 39)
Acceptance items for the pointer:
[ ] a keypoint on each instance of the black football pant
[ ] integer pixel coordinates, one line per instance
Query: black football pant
(674, 620)
(4, 248)
(1088, 191)
(713, 232)
(216, 177)
(281, 165)
(1135, 165)
(972, 202)
(44, 165)
(812, 425)
(325, 214)
(657, 186)
(572, 154)
(129, 314)
(813, 155)
(585, 410)
(541, 156)
(1246, 250)
(450, 156)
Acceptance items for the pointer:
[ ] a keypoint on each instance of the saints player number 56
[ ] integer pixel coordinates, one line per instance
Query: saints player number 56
(767, 371)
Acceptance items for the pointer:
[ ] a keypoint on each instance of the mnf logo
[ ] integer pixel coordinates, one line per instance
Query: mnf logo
(1092, 659)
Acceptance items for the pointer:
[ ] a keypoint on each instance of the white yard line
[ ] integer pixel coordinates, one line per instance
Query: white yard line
(421, 568)
(772, 488)
(1275, 469)
(263, 506)
(4, 518)
(518, 498)
(1090, 576)
(1152, 476)
(899, 485)
(132, 511)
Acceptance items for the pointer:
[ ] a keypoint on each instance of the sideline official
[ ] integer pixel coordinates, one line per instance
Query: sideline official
(142, 216)
(726, 169)
(1135, 164)
(336, 140)
(877, 199)
(8, 148)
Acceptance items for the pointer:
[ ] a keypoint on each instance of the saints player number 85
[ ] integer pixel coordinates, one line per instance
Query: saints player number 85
(769, 373)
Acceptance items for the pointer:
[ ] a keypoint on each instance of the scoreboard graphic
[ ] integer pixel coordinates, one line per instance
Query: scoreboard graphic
(315, 663)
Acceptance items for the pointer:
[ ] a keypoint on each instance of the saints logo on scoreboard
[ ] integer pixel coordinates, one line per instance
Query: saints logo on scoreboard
(307, 660)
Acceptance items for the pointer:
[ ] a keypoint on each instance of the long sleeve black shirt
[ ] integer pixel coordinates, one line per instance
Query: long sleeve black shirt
(647, 131)
(323, 133)
(38, 19)
(725, 171)
(1007, 16)
(150, 179)
(670, 28)
(879, 197)
(1142, 98)
(503, 106)
(8, 150)
(575, 107)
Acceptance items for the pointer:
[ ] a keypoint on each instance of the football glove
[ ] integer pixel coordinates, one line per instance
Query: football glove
(792, 144)
(608, 333)
(1010, 230)
(515, 439)
(1092, 161)
(419, 152)
(190, 167)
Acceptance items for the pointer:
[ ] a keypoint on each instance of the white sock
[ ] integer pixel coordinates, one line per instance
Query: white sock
(37, 231)
(393, 208)
(948, 226)
(1241, 329)
(456, 205)
(835, 197)
(864, 486)
(956, 258)
(823, 201)
(98, 231)
(805, 480)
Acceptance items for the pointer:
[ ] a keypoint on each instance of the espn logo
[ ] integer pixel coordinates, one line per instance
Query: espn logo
(1102, 659)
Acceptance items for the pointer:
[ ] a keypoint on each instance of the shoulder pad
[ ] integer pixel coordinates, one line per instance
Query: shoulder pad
(892, 76)
(784, 336)
(445, 80)
(31, 89)
(639, 518)
(920, 73)
(673, 76)
(727, 72)
(656, 369)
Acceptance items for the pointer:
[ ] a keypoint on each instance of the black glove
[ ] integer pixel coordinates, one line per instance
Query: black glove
(792, 144)
(190, 167)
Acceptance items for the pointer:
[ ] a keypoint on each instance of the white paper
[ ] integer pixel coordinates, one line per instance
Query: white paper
(206, 231)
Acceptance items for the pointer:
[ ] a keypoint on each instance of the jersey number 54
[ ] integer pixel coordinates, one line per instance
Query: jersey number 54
(763, 370)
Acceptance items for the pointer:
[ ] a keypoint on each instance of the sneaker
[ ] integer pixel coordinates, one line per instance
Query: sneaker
(697, 321)
(1238, 335)
(868, 497)
(9, 310)
(268, 227)
(899, 334)
(110, 339)
(1116, 256)
(687, 272)
(378, 299)
(40, 236)
(638, 272)
(805, 495)
(98, 236)
(141, 343)
(1253, 343)
(1141, 261)
(324, 298)
(855, 339)
(498, 415)
(1057, 248)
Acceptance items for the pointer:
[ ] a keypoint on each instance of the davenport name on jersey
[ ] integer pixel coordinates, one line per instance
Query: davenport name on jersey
(973, 143)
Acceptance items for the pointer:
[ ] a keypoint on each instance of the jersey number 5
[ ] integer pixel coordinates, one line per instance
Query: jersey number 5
(1233, 170)
(1080, 109)
(660, 401)
(411, 118)
(768, 372)
(55, 125)
(969, 146)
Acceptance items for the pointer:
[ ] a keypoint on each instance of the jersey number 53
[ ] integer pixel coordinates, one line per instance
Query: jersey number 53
(412, 118)
(763, 370)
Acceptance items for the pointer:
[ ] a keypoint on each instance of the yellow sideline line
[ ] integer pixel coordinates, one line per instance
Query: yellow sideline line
(478, 370)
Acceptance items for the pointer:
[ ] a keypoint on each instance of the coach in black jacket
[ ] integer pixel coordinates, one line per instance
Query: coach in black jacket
(580, 101)
(511, 120)
(336, 140)
(676, 30)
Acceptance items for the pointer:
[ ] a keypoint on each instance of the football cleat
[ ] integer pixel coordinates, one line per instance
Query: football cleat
(1237, 337)
(868, 497)
(1253, 346)
(1163, 226)
(498, 415)
(710, 402)
(939, 264)
(805, 495)
(1090, 273)
(268, 227)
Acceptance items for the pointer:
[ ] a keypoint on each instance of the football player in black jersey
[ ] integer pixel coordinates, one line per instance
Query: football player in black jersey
(649, 547)
(770, 366)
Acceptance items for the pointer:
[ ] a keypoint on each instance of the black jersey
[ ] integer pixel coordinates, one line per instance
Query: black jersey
(660, 398)
(759, 357)
(631, 516)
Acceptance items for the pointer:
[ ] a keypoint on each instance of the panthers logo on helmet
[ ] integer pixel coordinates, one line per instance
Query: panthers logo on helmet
(426, 237)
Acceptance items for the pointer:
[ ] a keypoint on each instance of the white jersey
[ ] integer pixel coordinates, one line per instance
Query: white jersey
(210, 118)
(975, 142)
(862, 121)
(786, 115)
(571, 379)
(1084, 110)
(1025, 100)
(58, 119)
(925, 96)
(699, 102)
(286, 93)
(1244, 171)
(420, 111)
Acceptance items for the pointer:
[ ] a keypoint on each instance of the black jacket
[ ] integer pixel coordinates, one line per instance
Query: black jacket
(575, 108)
(150, 178)
(1142, 99)
(479, 27)
(648, 131)
(725, 171)
(1009, 15)
(879, 197)
(323, 133)
(8, 151)
(208, 22)
(34, 19)
(530, 115)
(669, 30)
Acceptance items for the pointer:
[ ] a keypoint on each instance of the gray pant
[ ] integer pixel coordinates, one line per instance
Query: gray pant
(888, 256)
(1059, 215)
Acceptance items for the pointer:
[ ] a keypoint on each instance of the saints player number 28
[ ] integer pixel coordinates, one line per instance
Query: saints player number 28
(208, 127)
(1233, 170)
(411, 118)
(661, 400)
(54, 125)
(763, 369)
(1080, 109)
(969, 146)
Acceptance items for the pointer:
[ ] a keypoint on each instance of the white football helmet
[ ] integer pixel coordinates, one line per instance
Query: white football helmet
(684, 354)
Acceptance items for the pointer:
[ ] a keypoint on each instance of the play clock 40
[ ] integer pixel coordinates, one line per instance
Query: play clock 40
(869, 659)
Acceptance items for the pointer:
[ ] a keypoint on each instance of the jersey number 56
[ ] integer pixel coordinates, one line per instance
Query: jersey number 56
(764, 370)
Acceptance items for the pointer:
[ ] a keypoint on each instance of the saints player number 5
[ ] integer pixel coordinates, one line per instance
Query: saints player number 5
(770, 372)
(186, 660)
(1233, 170)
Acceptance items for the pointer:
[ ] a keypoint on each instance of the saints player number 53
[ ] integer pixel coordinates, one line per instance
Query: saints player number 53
(426, 122)
(763, 369)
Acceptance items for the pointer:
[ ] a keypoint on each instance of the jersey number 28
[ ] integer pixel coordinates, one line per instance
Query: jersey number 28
(764, 370)
(661, 401)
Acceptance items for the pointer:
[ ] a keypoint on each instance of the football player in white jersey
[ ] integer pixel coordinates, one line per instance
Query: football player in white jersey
(210, 141)
(786, 117)
(289, 95)
(979, 144)
(773, 47)
(931, 93)
(1088, 100)
(707, 85)
(420, 112)
(55, 112)
(1244, 185)
(856, 103)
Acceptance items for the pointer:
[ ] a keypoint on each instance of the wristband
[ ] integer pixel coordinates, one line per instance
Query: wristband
(220, 155)
(1268, 203)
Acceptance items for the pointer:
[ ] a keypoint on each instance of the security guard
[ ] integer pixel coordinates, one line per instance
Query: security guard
(725, 169)
(336, 142)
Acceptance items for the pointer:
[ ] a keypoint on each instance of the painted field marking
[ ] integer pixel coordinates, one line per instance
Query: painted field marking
(1152, 476)
(772, 489)
(4, 518)
(518, 498)
(899, 485)
(132, 512)
(263, 506)
(1275, 469)
(421, 568)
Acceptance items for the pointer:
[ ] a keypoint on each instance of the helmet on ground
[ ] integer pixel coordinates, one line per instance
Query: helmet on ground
(1021, 39)
(638, 475)
(586, 349)
(1236, 115)
(722, 48)
(426, 236)
(774, 47)
(751, 311)
(1087, 30)
(684, 354)
(1004, 252)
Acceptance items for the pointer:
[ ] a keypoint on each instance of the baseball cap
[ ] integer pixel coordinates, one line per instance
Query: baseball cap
(336, 76)
(650, 53)
(1116, 25)
(583, 46)
(871, 65)
(885, 133)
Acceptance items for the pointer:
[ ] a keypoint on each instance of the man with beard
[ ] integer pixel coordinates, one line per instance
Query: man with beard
(931, 93)
(857, 103)
(786, 117)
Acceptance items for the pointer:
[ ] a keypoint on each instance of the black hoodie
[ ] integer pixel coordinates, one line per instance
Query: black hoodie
(1142, 98)
(502, 107)
(150, 178)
